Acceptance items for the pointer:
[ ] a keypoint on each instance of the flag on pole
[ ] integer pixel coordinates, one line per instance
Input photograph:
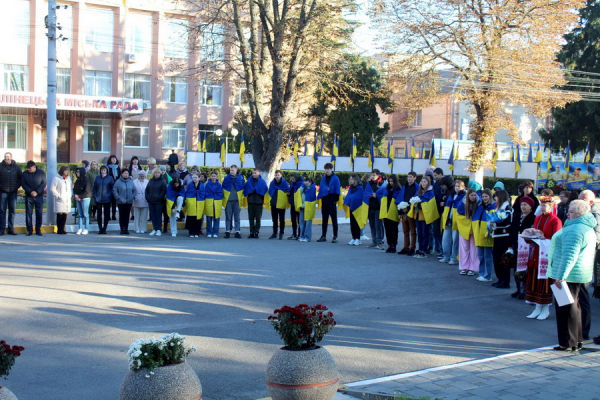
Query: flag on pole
(406, 148)
(305, 148)
(371, 154)
(334, 150)
(568, 156)
(517, 160)
(512, 153)
(223, 148)
(295, 151)
(587, 154)
(549, 165)
(539, 156)
(353, 150)
(315, 155)
(242, 147)
(495, 155)
(321, 150)
(390, 157)
(422, 155)
(432, 160)
(530, 155)
(413, 151)
(451, 159)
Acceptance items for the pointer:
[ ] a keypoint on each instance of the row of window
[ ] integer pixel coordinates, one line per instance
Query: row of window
(100, 34)
(137, 86)
(97, 132)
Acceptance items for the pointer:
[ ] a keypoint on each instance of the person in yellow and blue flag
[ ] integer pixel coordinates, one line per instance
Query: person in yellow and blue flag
(449, 236)
(329, 197)
(194, 204)
(483, 237)
(296, 182)
(233, 200)
(388, 211)
(460, 193)
(357, 208)
(213, 203)
(424, 211)
(255, 190)
(467, 253)
(277, 200)
(306, 202)
(409, 225)
(175, 199)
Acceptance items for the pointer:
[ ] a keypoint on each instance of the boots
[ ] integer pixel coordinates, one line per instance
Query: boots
(545, 312)
(61, 221)
(536, 312)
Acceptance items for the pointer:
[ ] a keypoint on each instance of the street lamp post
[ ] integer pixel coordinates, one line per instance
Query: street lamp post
(219, 133)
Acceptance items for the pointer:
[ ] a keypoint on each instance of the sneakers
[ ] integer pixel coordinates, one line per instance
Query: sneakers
(365, 237)
(334, 239)
(322, 239)
(470, 273)
(237, 235)
(281, 236)
(227, 235)
(381, 246)
(293, 237)
(482, 279)
(177, 215)
(444, 260)
(463, 272)
(152, 233)
(435, 253)
(356, 242)
(158, 233)
(173, 235)
(453, 262)
(303, 240)
(79, 231)
(85, 232)
(420, 254)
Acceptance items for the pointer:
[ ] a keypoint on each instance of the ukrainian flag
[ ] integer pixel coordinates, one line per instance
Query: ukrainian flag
(310, 201)
(355, 203)
(213, 199)
(242, 148)
(315, 156)
(282, 199)
(334, 150)
(228, 184)
(455, 215)
(495, 155)
(549, 165)
(353, 150)
(512, 153)
(539, 156)
(446, 213)
(405, 148)
(194, 201)
(387, 209)
(305, 147)
(451, 159)
(172, 197)
(389, 156)
(422, 155)
(223, 148)
(295, 151)
(413, 150)
(568, 156)
(517, 160)
(371, 154)
(530, 155)
(587, 154)
(480, 226)
(427, 206)
(432, 160)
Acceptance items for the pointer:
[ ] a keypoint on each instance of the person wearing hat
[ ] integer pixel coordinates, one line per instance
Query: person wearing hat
(498, 186)
(519, 224)
(33, 182)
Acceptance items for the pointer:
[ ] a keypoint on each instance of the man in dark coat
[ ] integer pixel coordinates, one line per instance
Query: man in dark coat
(173, 160)
(10, 181)
(33, 181)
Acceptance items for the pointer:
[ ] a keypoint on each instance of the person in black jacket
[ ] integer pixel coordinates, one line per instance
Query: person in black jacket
(173, 160)
(115, 172)
(524, 221)
(10, 181)
(375, 223)
(409, 225)
(103, 186)
(155, 196)
(33, 181)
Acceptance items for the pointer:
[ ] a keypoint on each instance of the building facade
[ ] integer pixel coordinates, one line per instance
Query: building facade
(118, 90)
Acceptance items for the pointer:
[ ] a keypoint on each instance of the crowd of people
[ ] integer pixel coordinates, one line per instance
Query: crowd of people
(539, 241)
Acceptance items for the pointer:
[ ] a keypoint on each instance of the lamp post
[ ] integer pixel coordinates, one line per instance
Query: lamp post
(219, 133)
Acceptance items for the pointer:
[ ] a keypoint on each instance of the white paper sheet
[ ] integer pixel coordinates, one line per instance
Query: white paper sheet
(563, 295)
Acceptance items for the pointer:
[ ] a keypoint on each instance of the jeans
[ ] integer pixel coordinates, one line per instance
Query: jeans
(232, 215)
(450, 243)
(437, 236)
(83, 207)
(376, 226)
(486, 261)
(155, 215)
(305, 227)
(31, 203)
(7, 200)
(422, 235)
(212, 226)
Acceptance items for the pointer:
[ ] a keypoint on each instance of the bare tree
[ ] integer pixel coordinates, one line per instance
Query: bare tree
(502, 51)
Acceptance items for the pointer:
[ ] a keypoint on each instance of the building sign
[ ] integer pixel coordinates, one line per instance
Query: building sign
(72, 102)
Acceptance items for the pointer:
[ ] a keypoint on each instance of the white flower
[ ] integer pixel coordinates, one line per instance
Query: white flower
(415, 200)
(403, 205)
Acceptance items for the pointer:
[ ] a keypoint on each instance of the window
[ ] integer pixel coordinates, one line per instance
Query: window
(13, 131)
(100, 31)
(174, 136)
(207, 133)
(137, 86)
(136, 134)
(98, 83)
(14, 77)
(210, 93)
(213, 43)
(139, 33)
(64, 16)
(14, 25)
(241, 97)
(96, 135)
(63, 80)
(177, 43)
(175, 90)
(416, 118)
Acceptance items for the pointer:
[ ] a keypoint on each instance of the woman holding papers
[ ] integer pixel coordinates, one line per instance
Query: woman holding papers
(571, 260)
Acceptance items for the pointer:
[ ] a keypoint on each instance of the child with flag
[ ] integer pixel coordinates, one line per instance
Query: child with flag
(468, 260)
(278, 201)
(175, 199)
(358, 209)
(213, 203)
(483, 239)
(306, 203)
(296, 182)
(409, 225)
(194, 203)
(424, 211)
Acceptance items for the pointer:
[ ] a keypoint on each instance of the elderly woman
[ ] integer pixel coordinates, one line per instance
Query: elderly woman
(140, 205)
(124, 194)
(571, 260)
(537, 286)
(62, 189)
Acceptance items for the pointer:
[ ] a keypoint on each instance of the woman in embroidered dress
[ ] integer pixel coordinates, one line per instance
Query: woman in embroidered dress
(519, 223)
(538, 287)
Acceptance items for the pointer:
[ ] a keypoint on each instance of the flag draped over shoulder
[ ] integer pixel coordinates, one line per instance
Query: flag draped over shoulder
(213, 199)
(172, 196)
(332, 188)
(242, 148)
(230, 183)
(458, 198)
(447, 213)
(281, 189)
(194, 200)
(480, 226)
(355, 203)
(427, 206)
(260, 187)
(387, 205)
(310, 201)
(465, 227)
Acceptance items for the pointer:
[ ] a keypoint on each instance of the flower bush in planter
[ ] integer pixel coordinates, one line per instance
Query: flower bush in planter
(302, 326)
(153, 353)
(7, 357)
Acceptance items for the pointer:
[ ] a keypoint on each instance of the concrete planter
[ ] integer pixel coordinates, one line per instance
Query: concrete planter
(6, 394)
(308, 374)
(172, 382)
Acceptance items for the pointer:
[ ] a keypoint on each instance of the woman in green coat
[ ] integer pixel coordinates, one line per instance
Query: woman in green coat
(92, 173)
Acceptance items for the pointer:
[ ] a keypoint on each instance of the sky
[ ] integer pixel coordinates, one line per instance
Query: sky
(364, 37)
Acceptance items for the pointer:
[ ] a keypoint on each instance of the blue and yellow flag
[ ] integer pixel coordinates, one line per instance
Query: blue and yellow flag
(427, 208)
(512, 153)
(310, 201)
(353, 150)
(549, 162)
(495, 155)
(530, 155)
(371, 154)
(231, 184)
(315, 155)
(223, 148)
(422, 152)
(405, 148)
(203, 148)
(213, 199)
(464, 224)
(389, 155)
(321, 149)
(413, 150)
(355, 203)
(281, 189)
(242, 148)
(194, 200)
(568, 156)
(432, 159)
(481, 234)
(387, 209)
(305, 147)
(517, 159)
(295, 151)
(334, 150)
(587, 154)
(451, 158)
(539, 156)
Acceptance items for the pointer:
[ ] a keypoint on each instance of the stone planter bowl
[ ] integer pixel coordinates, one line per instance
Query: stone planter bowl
(6, 394)
(307, 374)
(172, 382)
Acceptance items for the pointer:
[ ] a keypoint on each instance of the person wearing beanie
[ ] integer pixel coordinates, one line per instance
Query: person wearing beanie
(33, 182)
(499, 186)
(524, 221)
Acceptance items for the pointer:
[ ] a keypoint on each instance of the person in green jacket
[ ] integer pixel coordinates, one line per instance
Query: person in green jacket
(571, 260)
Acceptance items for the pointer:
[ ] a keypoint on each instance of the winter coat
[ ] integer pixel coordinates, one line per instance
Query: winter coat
(103, 189)
(62, 189)
(572, 250)
(124, 191)
(114, 170)
(33, 182)
(596, 214)
(156, 190)
(502, 228)
(10, 177)
(133, 172)
(140, 193)
(91, 175)
(82, 187)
